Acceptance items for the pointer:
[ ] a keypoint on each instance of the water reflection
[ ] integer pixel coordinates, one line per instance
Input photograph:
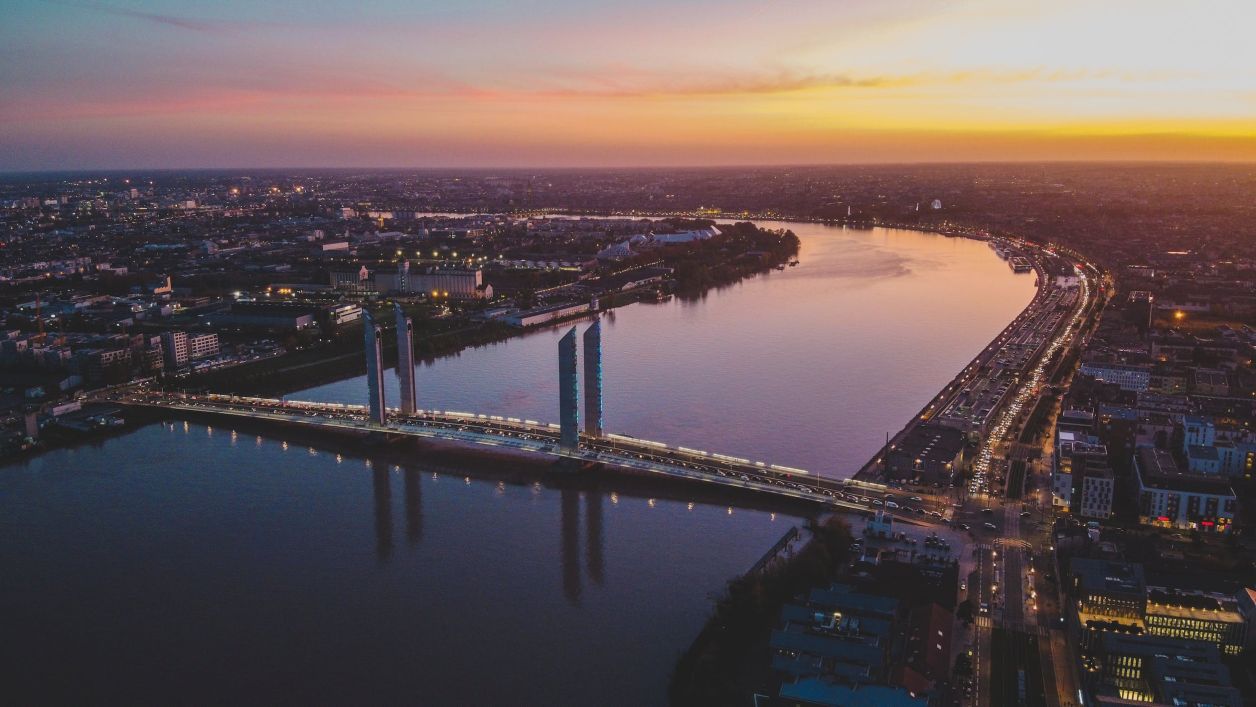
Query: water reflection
(783, 355)
(414, 506)
(569, 506)
(383, 512)
(593, 526)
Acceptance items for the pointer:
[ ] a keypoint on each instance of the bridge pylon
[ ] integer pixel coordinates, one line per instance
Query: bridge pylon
(568, 392)
(373, 337)
(405, 360)
(593, 379)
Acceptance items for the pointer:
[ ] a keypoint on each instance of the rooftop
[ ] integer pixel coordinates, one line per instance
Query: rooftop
(843, 598)
(820, 692)
(934, 443)
(1108, 576)
(1156, 468)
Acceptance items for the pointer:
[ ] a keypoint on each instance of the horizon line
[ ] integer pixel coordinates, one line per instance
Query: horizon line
(642, 167)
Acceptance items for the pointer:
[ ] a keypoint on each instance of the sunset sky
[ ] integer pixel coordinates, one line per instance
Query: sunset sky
(501, 83)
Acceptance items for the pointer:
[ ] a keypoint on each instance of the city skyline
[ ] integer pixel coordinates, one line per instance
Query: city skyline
(700, 353)
(561, 84)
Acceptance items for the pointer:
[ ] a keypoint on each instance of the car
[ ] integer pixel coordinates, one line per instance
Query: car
(917, 499)
(877, 502)
(962, 526)
(990, 526)
(987, 511)
(963, 586)
(891, 504)
(1025, 514)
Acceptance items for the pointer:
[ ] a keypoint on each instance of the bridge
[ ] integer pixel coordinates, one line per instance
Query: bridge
(586, 446)
(528, 436)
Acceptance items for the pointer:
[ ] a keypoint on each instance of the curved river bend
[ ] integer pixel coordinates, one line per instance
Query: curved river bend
(182, 559)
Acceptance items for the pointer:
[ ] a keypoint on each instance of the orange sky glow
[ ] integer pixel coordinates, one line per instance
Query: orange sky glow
(561, 83)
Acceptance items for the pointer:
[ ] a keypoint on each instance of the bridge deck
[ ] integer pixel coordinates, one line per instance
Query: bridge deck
(531, 436)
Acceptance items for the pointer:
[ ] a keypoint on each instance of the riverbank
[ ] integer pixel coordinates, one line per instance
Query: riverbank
(54, 438)
(729, 658)
(872, 471)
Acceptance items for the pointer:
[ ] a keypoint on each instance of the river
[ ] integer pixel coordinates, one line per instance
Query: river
(184, 560)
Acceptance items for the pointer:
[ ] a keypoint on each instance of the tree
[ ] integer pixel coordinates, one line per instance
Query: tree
(964, 612)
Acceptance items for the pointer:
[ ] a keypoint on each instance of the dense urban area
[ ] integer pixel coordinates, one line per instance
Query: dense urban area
(1066, 523)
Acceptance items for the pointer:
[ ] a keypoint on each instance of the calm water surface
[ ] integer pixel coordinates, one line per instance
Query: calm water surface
(808, 367)
(183, 560)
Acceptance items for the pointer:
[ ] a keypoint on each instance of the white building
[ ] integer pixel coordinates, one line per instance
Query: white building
(1203, 460)
(533, 317)
(451, 283)
(354, 281)
(616, 251)
(344, 313)
(1198, 431)
(1096, 496)
(700, 234)
(1128, 377)
(202, 346)
(175, 346)
(1081, 479)
(1171, 498)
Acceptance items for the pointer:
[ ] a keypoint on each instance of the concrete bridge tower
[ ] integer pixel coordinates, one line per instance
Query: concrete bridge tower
(593, 379)
(374, 340)
(405, 360)
(568, 392)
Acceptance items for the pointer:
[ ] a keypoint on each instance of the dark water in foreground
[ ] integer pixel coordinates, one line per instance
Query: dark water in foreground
(189, 564)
